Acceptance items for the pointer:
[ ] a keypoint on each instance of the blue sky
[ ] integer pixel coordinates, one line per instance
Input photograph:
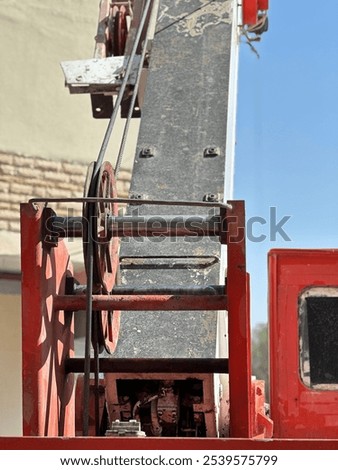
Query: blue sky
(287, 137)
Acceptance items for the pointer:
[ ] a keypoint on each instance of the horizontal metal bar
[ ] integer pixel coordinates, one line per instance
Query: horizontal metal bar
(136, 302)
(161, 290)
(168, 262)
(141, 226)
(145, 366)
(122, 200)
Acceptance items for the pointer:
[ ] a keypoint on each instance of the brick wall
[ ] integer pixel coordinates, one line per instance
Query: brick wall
(22, 178)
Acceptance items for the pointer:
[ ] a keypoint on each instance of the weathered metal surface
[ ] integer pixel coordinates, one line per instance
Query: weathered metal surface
(98, 75)
(184, 112)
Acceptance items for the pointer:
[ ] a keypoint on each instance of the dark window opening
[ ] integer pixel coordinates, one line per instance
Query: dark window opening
(322, 317)
(319, 337)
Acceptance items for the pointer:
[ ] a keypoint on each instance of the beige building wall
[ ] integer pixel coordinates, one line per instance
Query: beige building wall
(38, 116)
(47, 139)
(10, 359)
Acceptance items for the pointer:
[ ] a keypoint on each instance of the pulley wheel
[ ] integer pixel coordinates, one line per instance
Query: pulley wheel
(105, 250)
(117, 30)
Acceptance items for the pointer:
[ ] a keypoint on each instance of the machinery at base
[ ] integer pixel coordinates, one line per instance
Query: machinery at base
(163, 292)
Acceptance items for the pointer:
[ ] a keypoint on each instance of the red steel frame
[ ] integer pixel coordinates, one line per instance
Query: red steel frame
(48, 335)
(48, 394)
(238, 324)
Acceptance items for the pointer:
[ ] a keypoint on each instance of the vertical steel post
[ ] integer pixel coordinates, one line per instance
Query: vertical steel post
(238, 324)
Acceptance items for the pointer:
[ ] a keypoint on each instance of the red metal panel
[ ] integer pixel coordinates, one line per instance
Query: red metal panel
(263, 4)
(250, 11)
(238, 324)
(47, 335)
(297, 410)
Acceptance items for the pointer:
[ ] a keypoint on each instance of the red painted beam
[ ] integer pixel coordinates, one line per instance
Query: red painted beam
(154, 443)
(136, 302)
(238, 325)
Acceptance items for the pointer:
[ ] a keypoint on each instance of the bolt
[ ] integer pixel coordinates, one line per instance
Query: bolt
(211, 197)
(212, 151)
(147, 152)
(135, 196)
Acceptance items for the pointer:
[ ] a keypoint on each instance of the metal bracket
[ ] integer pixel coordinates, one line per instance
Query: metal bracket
(98, 75)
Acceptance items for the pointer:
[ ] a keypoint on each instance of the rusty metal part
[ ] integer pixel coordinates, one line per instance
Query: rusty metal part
(156, 428)
(147, 366)
(165, 302)
(168, 403)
